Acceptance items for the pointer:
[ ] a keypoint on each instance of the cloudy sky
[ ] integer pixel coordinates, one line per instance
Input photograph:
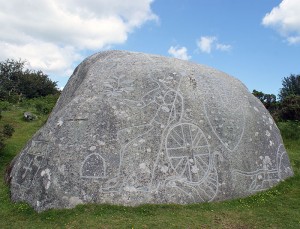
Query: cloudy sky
(257, 41)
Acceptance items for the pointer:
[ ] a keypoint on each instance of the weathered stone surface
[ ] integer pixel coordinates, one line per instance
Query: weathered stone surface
(132, 128)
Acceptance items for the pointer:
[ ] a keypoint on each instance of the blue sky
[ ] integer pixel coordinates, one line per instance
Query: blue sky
(256, 41)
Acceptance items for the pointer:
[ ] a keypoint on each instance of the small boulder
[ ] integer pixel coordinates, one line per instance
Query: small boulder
(28, 116)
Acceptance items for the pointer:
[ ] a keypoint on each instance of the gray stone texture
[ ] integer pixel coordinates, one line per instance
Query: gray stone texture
(133, 128)
(28, 116)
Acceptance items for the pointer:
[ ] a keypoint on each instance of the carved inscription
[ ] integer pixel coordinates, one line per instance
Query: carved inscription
(93, 167)
(167, 134)
(32, 161)
(267, 176)
(132, 128)
(188, 151)
(221, 105)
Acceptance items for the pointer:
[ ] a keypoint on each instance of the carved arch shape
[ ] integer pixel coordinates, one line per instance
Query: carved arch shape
(93, 167)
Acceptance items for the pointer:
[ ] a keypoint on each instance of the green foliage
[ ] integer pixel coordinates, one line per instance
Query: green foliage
(33, 88)
(5, 132)
(37, 84)
(290, 129)
(10, 74)
(269, 100)
(290, 86)
(8, 130)
(1, 135)
(290, 108)
(1, 141)
(42, 105)
(17, 83)
(5, 105)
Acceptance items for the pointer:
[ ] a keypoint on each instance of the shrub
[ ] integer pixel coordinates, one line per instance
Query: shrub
(8, 130)
(290, 108)
(4, 106)
(1, 141)
(17, 82)
(5, 132)
(290, 129)
(43, 105)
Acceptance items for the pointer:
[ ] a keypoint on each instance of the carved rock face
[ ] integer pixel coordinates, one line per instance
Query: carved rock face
(132, 128)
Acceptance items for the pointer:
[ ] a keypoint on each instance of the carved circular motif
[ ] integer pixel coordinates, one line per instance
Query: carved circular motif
(188, 152)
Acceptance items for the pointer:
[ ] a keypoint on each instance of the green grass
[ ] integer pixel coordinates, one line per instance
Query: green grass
(278, 207)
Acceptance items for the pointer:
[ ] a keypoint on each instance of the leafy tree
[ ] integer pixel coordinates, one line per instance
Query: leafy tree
(269, 100)
(290, 86)
(10, 74)
(16, 82)
(259, 95)
(290, 98)
(290, 108)
(37, 84)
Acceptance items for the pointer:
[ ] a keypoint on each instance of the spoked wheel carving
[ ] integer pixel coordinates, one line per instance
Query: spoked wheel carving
(188, 152)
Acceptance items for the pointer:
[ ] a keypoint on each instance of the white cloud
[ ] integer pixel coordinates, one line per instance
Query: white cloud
(223, 47)
(208, 43)
(50, 34)
(285, 18)
(180, 53)
(43, 56)
(293, 39)
(205, 43)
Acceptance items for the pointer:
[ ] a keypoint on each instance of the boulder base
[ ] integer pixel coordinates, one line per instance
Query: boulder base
(132, 128)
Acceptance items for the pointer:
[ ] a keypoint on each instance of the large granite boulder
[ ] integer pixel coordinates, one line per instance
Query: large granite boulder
(132, 128)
